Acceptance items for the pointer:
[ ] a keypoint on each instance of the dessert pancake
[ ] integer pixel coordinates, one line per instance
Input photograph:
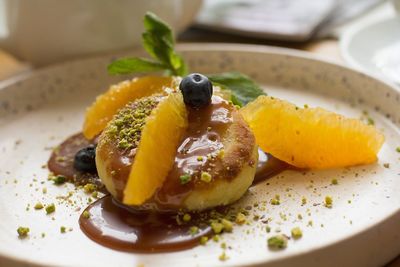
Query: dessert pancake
(215, 162)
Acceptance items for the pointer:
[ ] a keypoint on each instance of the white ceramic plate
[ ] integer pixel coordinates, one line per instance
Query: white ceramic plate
(374, 47)
(40, 110)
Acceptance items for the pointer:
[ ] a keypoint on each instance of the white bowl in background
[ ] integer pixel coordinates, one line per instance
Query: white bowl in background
(46, 31)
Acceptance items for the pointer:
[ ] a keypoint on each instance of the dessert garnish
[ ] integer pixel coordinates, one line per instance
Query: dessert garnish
(171, 151)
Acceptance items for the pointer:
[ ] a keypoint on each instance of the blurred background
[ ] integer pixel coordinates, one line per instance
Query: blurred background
(364, 34)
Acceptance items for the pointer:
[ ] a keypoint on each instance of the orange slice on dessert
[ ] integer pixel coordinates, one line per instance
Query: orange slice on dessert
(311, 137)
(160, 138)
(117, 96)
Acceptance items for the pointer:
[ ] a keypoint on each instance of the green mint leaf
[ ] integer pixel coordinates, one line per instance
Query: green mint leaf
(129, 65)
(158, 41)
(243, 88)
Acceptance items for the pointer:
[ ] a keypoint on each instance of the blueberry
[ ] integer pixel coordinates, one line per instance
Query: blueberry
(197, 90)
(84, 160)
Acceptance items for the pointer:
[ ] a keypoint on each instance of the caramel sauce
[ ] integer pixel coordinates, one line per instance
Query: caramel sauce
(122, 228)
(118, 227)
(127, 229)
(61, 161)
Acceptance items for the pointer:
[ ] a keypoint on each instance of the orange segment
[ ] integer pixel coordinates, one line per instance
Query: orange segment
(155, 154)
(311, 137)
(107, 104)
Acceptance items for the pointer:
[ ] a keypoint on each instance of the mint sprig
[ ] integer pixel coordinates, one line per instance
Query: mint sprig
(158, 41)
(243, 88)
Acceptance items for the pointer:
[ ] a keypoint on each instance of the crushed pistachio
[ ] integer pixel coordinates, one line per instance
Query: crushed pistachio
(187, 217)
(44, 190)
(223, 256)
(38, 206)
(268, 229)
(205, 177)
(240, 218)
(63, 229)
(334, 181)
(203, 240)
(95, 194)
(303, 201)
(186, 178)
(223, 245)
(398, 149)
(50, 208)
(86, 214)
(215, 238)
(386, 165)
(296, 233)
(277, 242)
(23, 231)
(217, 227)
(89, 188)
(59, 179)
(228, 226)
(194, 230)
(199, 158)
(275, 201)
(221, 153)
(370, 121)
(127, 125)
(328, 201)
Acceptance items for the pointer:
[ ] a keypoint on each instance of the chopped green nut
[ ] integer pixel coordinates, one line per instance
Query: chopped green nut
(89, 188)
(240, 218)
(205, 177)
(221, 153)
(23, 231)
(217, 227)
(228, 226)
(334, 181)
(296, 233)
(215, 238)
(185, 178)
(303, 201)
(63, 229)
(50, 208)
(187, 217)
(44, 190)
(38, 206)
(398, 149)
(223, 245)
(203, 240)
(223, 256)
(59, 179)
(275, 201)
(268, 229)
(328, 201)
(386, 165)
(277, 242)
(86, 214)
(43, 235)
(199, 158)
(194, 230)
(370, 121)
